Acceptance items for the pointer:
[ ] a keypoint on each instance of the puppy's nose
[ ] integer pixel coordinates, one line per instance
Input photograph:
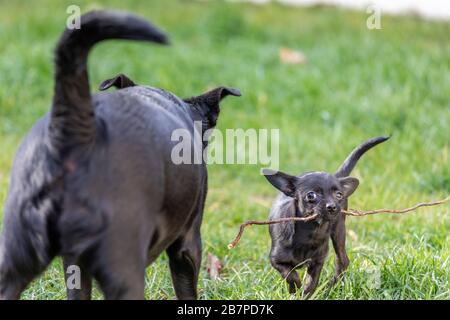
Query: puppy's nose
(331, 207)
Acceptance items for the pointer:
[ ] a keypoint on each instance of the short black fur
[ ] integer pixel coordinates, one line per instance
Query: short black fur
(93, 181)
(299, 244)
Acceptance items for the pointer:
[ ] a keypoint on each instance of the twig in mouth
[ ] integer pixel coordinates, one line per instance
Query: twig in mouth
(358, 213)
(349, 212)
(252, 222)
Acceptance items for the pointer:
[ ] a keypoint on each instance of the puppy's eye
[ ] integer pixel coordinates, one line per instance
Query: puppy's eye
(339, 195)
(311, 196)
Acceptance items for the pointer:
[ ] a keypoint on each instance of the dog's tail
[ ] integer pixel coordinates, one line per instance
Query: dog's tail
(72, 121)
(349, 163)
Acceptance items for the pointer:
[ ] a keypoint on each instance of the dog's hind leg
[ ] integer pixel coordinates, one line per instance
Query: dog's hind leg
(185, 256)
(83, 292)
(122, 284)
(118, 264)
(19, 265)
(11, 288)
(12, 284)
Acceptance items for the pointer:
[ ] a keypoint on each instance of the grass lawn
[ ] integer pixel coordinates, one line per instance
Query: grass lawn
(357, 84)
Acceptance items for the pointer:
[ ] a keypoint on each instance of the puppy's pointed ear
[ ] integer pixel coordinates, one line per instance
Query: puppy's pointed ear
(349, 185)
(208, 103)
(121, 81)
(282, 181)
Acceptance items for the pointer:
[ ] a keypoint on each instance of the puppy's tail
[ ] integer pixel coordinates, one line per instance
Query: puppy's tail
(349, 163)
(72, 121)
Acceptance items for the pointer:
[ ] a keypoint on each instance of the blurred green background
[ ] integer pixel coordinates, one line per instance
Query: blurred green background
(356, 84)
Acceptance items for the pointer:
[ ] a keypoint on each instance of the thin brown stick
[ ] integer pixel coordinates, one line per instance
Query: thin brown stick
(350, 212)
(252, 222)
(358, 213)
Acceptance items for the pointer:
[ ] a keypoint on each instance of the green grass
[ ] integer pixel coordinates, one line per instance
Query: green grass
(357, 84)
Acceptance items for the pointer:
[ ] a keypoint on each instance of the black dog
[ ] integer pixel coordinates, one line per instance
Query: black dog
(295, 245)
(94, 181)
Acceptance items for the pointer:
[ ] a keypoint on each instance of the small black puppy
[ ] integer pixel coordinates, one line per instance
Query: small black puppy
(295, 245)
(94, 181)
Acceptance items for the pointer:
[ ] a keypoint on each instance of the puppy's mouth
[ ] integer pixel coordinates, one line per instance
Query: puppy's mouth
(321, 215)
(326, 215)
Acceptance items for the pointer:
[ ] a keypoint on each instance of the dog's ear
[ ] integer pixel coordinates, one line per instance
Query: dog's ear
(282, 181)
(213, 97)
(208, 103)
(349, 185)
(121, 81)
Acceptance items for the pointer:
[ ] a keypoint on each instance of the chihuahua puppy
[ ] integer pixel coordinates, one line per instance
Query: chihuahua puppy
(299, 244)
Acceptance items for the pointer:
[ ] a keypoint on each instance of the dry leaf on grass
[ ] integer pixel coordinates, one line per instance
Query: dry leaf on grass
(289, 56)
(213, 266)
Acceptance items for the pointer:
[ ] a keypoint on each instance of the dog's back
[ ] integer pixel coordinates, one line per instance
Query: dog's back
(93, 180)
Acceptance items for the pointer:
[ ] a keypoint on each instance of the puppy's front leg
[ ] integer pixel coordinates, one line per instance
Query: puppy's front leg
(314, 270)
(185, 256)
(288, 273)
(338, 239)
